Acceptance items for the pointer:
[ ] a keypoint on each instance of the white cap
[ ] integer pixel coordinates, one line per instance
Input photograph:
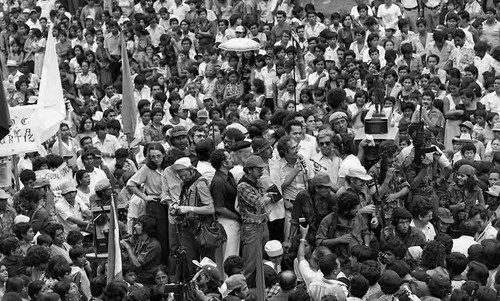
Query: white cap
(182, 163)
(359, 172)
(273, 248)
(21, 219)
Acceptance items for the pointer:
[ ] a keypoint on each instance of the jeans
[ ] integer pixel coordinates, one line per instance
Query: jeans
(160, 212)
(249, 244)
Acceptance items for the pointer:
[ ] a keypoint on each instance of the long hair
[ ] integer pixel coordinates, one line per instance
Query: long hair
(150, 163)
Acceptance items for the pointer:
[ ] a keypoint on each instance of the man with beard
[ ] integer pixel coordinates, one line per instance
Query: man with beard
(401, 229)
(223, 190)
(253, 203)
(343, 228)
(179, 139)
(313, 204)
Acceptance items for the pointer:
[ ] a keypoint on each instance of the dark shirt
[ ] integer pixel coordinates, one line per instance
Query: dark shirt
(14, 265)
(313, 209)
(148, 253)
(223, 190)
(39, 219)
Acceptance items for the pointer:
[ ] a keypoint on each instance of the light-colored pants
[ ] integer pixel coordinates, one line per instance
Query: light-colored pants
(232, 244)
(412, 16)
(431, 17)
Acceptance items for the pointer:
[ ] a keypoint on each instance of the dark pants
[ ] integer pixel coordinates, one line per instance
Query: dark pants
(160, 212)
(276, 229)
(182, 269)
(249, 244)
(269, 102)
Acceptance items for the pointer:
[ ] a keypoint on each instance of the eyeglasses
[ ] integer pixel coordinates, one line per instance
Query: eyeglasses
(327, 143)
(155, 156)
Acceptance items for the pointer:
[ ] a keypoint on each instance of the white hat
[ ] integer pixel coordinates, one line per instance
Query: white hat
(204, 262)
(494, 190)
(239, 29)
(359, 172)
(182, 163)
(11, 63)
(273, 248)
(21, 219)
(238, 126)
(329, 56)
(4, 195)
(68, 187)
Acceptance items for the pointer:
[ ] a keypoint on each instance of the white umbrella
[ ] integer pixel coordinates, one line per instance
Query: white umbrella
(240, 44)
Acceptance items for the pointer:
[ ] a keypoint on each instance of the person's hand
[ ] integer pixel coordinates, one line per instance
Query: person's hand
(364, 142)
(303, 231)
(436, 156)
(391, 197)
(460, 206)
(322, 75)
(184, 209)
(124, 243)
(368, 209)
(374, 222)
(390, 173)
(149, 198)
(287, 244)
(345, 239)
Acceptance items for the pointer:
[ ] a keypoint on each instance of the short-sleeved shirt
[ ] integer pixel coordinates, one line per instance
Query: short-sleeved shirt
(112, 43)
(150, 178)
(223, 189)
(389, 15)
(65, 210)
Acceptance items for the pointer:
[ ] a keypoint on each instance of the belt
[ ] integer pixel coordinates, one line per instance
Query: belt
(408, 9)
(435, 7)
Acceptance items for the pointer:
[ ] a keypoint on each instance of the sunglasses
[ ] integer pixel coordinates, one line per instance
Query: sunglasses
(328, 143)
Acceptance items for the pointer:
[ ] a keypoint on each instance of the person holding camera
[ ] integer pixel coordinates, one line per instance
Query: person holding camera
(196, 206)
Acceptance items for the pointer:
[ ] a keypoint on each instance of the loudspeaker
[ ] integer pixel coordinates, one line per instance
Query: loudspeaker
(101, 218)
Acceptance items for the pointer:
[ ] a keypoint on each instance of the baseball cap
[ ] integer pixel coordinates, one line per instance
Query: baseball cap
(234, 282)
(240, 145)
(178, 131)
(358, 172)
(202, 114)
(255, 161)
(21, 219)
(321, 179)
(444, 215)
(329, 56)
(496, 127)
(260, 144)
(26, 11)
(390, 281)
(238, 127)
(440, 276)
(68, 187)
(211, 271)
(11, 63)
(390, 27)
(182, 163)
(239, 29)
(337, 115)
(41, 182)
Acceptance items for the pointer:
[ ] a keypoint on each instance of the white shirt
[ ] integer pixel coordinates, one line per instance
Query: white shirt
(313, 31)
(483, 65)
(491, 102)
(206, 170)
(389, 15)
(489, 232)
(64, 211)
(462, 244)
(427, 229)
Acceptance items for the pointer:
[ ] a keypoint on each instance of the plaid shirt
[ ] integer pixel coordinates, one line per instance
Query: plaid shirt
(251, 201)
(272, 291)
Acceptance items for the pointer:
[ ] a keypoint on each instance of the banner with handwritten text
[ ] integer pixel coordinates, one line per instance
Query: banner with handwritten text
(22, 137)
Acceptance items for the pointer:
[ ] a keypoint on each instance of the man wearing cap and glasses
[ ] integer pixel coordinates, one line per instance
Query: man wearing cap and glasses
(253, 203)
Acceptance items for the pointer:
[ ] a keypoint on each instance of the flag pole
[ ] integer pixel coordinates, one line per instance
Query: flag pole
(15, 161)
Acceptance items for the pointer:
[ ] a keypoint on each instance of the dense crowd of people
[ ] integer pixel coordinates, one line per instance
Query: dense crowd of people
(270, 145)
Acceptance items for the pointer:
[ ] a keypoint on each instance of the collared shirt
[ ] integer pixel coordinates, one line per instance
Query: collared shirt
(414, 237)
(491, 102)
(463, 57)
(112, 43)
(179, 11)
(224, 190)
(148, 253)
(491, 33)
(415, 62)
(95, 176)
(247, 117)
(313, 77)
(249, 198)
(62, 251)
(155, 34)
(329, 166)
(443, 54)
(152, 180)
(427, 229)
(270, 79)
(489, 232)
(144, 93)
(109, 145)
(462, 244)
(65, 210)
(153, 132)
(171, 188)
(483, 64)
(313, 31)
(298, 184)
